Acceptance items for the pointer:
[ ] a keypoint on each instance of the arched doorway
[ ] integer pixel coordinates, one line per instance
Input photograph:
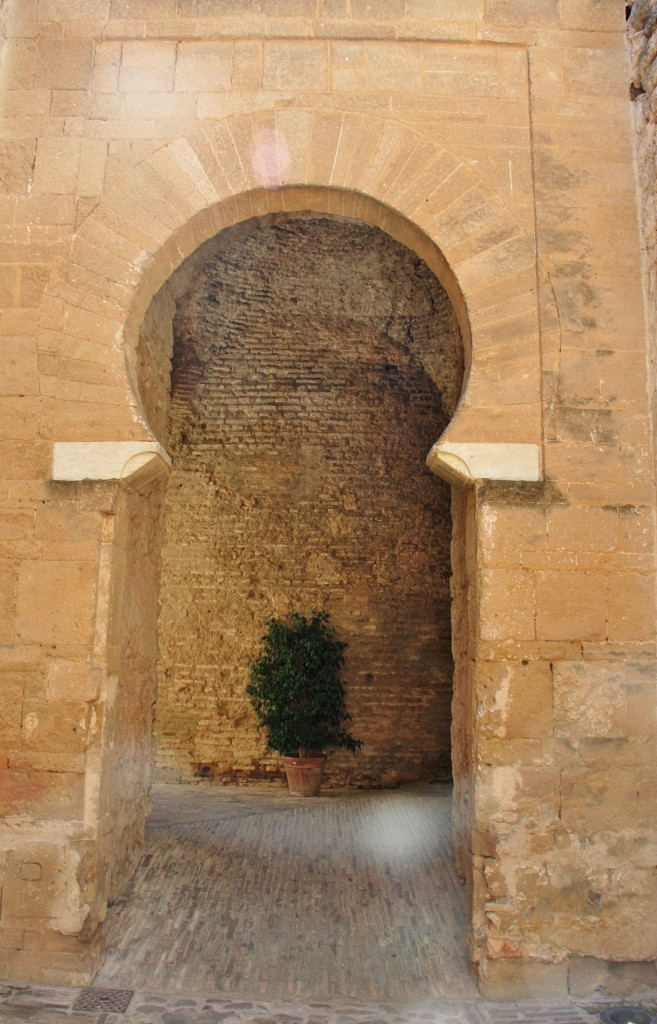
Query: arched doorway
(315, 361)
(170, 205)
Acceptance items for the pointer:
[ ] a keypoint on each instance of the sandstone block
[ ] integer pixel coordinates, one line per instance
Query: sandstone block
(36, 788)
(55, 726)
(204, 67)
(147, 9)
(507, 532)
(507, 794)
(16, 164)
(517, 979)
(571, 606)
(70, 10)
(501, 752)
(384, 11)
(21, 58)
(506, 609)
(8, 584)
(591, 975)
(16, 526)
(631, 607)
(72, 681)
(68, 103)
(29, 903)
(11, 938)
(247, 65)
(11, 696)
(577, 529)
(93, 162)
(9, 285)
(12, 792)
(54, 968)
(515, 700)
(293, 65)
(596, 800)
(590, 699)
(639, 684)
(147, 67)
(36, 761)
(461, 70)
(66, 532)
(64, 64)
(57, 165)
(55, 602)
(54, 796)
(354, 68)
(164, 107)
(107, 62)
(591, 72)
(99, 495)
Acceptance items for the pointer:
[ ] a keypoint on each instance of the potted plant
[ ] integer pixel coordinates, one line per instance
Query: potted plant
(299, 697)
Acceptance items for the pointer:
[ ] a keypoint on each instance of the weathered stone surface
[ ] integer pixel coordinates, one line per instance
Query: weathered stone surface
(55, 602)
(590, 699)
(491, 139)
(516, 699)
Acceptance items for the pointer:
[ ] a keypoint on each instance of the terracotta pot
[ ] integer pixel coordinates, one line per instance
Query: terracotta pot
(304, 774)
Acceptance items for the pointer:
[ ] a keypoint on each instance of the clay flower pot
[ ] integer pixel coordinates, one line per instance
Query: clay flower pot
(304, 774)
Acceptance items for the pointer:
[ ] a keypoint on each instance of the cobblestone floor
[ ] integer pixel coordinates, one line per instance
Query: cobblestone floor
(352, 895)
(258, 908)
(41, 1005)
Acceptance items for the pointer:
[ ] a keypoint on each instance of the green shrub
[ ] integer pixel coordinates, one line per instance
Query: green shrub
(296, 689)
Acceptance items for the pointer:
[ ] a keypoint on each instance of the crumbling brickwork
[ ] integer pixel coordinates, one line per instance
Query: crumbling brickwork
(315, 363)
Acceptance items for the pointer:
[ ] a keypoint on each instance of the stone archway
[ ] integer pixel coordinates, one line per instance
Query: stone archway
(298, 340)
(169, 206)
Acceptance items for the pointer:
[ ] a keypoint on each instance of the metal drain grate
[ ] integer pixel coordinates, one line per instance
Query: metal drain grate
(115, 1000)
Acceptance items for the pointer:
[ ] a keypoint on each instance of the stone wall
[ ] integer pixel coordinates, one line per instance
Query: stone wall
(315, 363)
(642, 34)
(493, 139)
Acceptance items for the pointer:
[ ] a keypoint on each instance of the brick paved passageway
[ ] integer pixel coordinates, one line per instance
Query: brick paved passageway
(256, 893)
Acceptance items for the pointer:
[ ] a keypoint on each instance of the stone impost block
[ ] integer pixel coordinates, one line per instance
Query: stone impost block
(133, 463)
(464, 462)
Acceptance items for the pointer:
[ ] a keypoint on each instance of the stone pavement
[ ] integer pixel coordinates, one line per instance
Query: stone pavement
(349, 895)
(41, 1005)
(253, 907)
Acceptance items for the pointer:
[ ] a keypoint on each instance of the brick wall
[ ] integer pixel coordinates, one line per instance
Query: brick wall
(315, 363)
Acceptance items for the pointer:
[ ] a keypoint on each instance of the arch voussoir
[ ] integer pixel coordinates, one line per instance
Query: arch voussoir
(355, 165)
